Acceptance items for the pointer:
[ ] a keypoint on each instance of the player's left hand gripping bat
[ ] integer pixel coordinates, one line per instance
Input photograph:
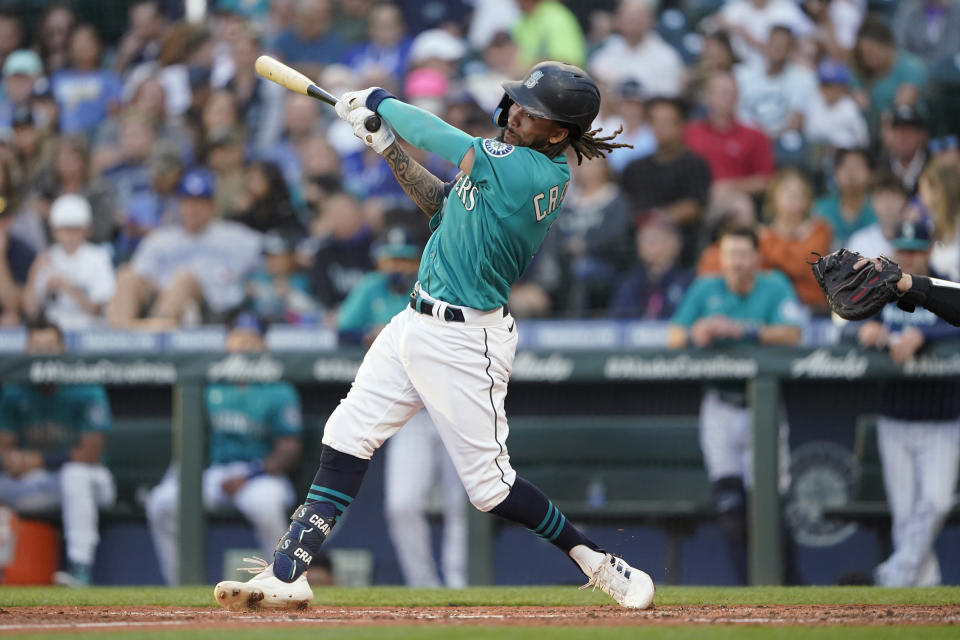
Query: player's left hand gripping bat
(272, 69)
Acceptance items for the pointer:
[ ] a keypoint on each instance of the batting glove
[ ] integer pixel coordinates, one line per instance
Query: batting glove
(378, 140)
(369, 98)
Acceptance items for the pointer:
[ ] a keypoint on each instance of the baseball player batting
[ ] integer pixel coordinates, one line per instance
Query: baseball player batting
(452, 349)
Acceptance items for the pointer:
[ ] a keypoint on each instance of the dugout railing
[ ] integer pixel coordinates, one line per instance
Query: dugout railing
(761, 368)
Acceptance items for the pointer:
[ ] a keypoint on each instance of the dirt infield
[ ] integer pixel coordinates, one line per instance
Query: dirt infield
(20, 619)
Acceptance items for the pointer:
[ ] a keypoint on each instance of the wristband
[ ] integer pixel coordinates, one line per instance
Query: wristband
(377, 96)
(751, 333)
(53, 460)
(916, 295)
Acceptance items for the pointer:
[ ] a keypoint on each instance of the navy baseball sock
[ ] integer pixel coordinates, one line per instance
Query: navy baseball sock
(526, 505)
(334, 487)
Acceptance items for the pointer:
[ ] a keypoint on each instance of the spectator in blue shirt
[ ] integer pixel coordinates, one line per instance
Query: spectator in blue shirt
(84, 92)
(311, 43)
(388, 46)
(654, 287)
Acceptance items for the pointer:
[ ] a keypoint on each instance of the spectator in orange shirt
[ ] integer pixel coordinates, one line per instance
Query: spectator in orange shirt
(792, 234)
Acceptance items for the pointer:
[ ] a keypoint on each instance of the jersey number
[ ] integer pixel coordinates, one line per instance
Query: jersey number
(553, 202)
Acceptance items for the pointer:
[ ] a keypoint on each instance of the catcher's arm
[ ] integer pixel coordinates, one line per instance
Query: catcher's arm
(940, 297)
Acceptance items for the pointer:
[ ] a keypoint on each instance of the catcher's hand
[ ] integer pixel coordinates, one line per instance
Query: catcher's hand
(857, 287)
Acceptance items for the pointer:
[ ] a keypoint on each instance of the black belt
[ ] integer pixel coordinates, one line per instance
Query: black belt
(450, 314)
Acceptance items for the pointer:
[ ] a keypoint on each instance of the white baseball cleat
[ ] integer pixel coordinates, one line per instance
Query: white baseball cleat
(630, 587)
(263, 591)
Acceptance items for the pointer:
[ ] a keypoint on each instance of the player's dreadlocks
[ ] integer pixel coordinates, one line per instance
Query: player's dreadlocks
(588, 145)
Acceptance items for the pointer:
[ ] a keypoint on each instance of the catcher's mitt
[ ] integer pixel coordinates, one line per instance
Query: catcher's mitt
(855, 294)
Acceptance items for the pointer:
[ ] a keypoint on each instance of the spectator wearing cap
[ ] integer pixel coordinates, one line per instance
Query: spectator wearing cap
(673, 179)
(84, 92)
(387, 48)
(905, 145)
(848, 208)
(834, 118)
(885, 75)
(940, 196)
(918, 428)
(17, 258)
(437, 49)
(929, 29)
(654, 287)
(279, 291)
(775, 95)
(547, 30)
(740, 157)
(202, 262)
(888, 200)
(750, 22)
(340, 247)
(310, 42)
(72, 281)
(630, 112)
(22, 73)
(638, 52)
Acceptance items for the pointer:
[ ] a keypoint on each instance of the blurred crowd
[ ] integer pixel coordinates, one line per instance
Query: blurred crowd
(156, 181)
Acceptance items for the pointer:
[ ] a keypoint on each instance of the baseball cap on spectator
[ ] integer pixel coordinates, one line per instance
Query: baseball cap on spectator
(398, 242)
(632, 90)
(197, 183)
(250, 322)
(833, 72)
(913, 235)
(164, 156)
(436, 44)
(908, 116)
(70, 211)
(24, 62)
(276, 244)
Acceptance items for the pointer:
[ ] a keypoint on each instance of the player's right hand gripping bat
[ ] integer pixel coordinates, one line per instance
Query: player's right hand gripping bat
(272, 69)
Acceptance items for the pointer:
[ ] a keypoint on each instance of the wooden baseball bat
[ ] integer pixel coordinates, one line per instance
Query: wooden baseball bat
(276, 71)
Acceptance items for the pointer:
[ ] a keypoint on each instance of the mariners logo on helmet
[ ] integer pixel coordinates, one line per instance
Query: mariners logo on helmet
(531, 82)
(496, 148)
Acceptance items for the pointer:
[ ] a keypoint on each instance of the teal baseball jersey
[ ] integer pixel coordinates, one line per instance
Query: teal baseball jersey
(244, 419)
(772, 301)
(52, 418)
(370, 303)
(491, 224)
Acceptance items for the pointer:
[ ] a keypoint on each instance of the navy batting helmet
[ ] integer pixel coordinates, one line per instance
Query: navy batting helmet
(557, 91)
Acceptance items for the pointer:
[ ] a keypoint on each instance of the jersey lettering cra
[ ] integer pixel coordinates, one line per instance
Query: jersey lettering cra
(491, 224)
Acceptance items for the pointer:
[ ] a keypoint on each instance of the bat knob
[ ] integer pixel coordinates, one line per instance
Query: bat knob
(372, 123)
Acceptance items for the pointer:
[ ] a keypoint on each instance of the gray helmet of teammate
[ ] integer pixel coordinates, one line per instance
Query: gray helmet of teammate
(555, 90)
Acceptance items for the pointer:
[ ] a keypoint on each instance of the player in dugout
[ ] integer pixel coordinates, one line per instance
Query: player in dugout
(451, 350)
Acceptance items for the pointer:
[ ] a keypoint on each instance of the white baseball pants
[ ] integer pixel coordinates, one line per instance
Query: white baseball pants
(726, 440)
(264, 500)
(920, 461)
(79, 489)
(458, 371)
(417, 466)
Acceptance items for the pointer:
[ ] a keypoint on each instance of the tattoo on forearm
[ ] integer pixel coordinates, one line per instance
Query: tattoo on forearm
(424, 188)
